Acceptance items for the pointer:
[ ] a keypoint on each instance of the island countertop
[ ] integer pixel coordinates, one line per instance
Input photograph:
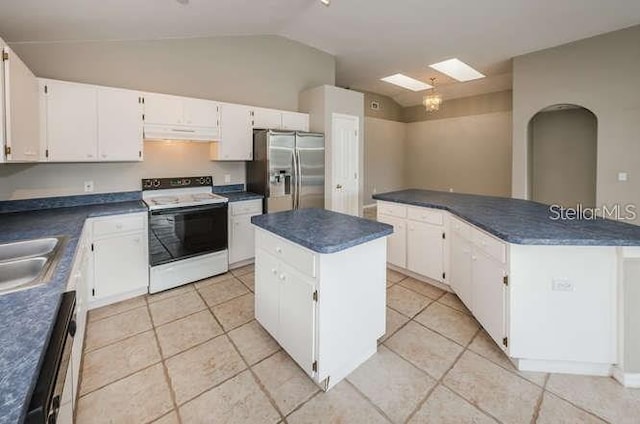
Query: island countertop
(27, 316)
(520, 221)
(320, 230)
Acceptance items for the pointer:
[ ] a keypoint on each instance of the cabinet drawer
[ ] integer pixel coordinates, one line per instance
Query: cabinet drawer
(245, 207)
(460, 227)
(429, 216)
(399, 211)
(118, 224)
(491, 246)
(295, 256)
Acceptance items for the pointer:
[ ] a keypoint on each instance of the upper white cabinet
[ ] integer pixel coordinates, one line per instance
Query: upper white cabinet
(295, 121)
(119, 124)
(71, 123)
(236, 134)
(87, 123)
(180, 118)
(19, 110)
(267, 118)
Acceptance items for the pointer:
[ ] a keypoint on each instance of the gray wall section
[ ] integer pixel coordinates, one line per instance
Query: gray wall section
(601, 74)
(266, 71)
(468, 154)
(563, 167)
(389, 108)
(500, 101)
(384, 156)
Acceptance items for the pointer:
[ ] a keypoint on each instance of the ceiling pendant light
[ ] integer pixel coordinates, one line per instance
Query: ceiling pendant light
(433, 100)
(326, 2)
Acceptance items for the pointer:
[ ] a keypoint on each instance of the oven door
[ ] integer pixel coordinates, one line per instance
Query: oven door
(180, 233)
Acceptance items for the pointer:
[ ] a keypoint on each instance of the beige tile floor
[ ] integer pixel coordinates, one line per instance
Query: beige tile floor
(196, 355)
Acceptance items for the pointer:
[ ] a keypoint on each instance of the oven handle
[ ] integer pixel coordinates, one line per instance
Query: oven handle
(185, 210)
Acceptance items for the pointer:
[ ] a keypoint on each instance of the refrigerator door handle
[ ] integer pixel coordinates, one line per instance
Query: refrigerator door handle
(298, 178)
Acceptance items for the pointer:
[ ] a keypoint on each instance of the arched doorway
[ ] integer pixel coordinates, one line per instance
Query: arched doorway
(562, 155)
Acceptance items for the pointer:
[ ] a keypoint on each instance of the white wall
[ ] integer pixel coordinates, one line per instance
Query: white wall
(469, 154)
(601, 74)
(384, 157)
(267, 71)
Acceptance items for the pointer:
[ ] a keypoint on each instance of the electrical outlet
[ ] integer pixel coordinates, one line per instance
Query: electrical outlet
(88, 186)
(561, 284)
(227, 178)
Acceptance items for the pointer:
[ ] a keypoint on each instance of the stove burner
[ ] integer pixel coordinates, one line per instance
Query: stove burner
(165, 200)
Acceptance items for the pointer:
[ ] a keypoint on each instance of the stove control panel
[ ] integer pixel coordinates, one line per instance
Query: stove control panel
(179, 182)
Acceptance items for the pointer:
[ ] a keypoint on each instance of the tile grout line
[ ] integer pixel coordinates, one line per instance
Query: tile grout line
(538, 405)
(581, 408)
(366, 398)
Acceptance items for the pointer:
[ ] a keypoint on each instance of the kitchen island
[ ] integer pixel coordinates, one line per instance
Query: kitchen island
(320, 288)
(554, 294)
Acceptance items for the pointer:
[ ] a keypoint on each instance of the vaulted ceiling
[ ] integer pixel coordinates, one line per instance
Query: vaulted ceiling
(369, 38)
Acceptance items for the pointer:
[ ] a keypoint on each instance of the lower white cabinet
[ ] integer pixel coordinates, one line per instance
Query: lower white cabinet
(120, 259)
(425, 250)
(396, 242)
(311, 303)
(460, 268)
(488, 295)
(241, 233)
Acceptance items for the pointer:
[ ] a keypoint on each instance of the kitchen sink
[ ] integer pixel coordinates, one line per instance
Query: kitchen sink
(28, 248)
(25, 264)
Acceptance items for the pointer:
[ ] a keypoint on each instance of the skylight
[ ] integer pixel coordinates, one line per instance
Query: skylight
(406, 82)
(457, 69)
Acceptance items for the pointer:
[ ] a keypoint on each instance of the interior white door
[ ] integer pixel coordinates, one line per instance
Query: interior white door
(120, 265)
(297, 317)
(72, 122)
(345, 164)
(119, 125)
(236, 133)
(425, 250)
(21, 103)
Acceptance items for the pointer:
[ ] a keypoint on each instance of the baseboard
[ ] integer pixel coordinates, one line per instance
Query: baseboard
(240, 264)
(439, 284)
(564, 367)
(373, 205)
(98, 303)
(629, 380)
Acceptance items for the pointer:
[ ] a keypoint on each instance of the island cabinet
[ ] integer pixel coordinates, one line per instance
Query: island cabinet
(327, 310)
(419, 239)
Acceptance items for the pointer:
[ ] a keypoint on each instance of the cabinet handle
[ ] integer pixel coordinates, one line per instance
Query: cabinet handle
(283, 277)
(89, 155)
(279, 249)
(274, 271)
(104, 156)
(475, 258)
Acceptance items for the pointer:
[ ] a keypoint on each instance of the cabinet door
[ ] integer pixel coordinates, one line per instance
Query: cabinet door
(425, 250)
(21, 102)
(267, 290)
(295, 121)
(267, 119)
(236, 133)
(161, 109)
(119, 125)
(200, 113)
(396, 242)
(488, 295)
(120, 265)
(460, 266)
(72, 122)
(242, 239)
(297, 317)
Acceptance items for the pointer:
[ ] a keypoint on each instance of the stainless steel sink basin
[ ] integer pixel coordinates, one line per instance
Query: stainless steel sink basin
(28, 248)
(28, 263)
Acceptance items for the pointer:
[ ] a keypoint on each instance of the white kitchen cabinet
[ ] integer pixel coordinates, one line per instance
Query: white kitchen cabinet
(488, 295)
(71, 121)
(241, 232)
(297, 314)
(311, 303)
(267, 118)
(19, 109)
(201, 113)
(236, 134)
(119, 125)
(460, 268)
(396, 242)
(295, 121)
(163, 109)
(120, 258)
(425, 250)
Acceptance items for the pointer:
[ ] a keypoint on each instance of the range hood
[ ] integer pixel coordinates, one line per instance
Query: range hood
(155, 132)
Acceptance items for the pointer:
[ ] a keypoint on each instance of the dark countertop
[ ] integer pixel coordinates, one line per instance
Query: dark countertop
(520, 221)
(239, 196)
(27, 317)
(320, 230)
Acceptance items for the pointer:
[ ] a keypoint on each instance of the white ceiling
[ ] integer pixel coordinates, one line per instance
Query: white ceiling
(370, 38)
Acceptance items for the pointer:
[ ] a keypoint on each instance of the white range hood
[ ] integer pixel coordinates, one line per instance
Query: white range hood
(155, 132)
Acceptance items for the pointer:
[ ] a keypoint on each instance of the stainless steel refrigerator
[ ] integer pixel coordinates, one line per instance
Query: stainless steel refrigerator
(287, 169)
